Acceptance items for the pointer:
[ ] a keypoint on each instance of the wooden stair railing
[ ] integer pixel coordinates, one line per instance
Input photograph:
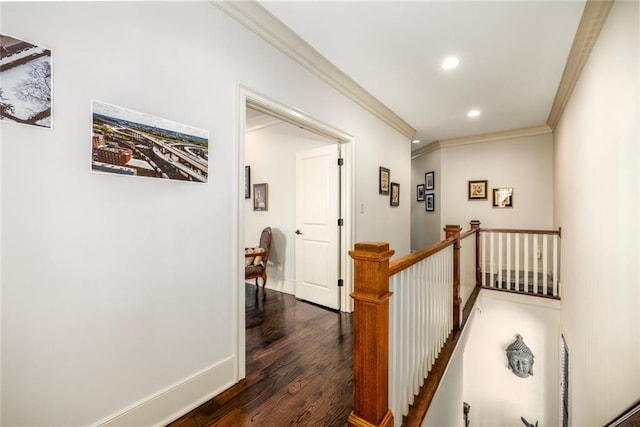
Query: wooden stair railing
(371, 295)
(371, 335)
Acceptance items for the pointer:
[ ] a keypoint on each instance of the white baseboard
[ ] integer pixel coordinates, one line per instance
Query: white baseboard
(177, 400)
(282, 285)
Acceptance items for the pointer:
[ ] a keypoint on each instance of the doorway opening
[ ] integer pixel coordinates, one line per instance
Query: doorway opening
(282, 258)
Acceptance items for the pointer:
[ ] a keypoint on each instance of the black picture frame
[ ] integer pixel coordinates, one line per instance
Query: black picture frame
(247, 182)
(261, 197)
(477, 189)
(394, 197)
(430, 202)
(503, 197)
(384, 178)
(420, 192)
(429, 181)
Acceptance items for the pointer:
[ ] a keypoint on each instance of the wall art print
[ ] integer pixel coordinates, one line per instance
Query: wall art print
(430, 202)
(261, 197)
(384, 176)
(25, 83)
(394, 199)
(429, 181)
(420, 193)
(128, 142)
(477, 190)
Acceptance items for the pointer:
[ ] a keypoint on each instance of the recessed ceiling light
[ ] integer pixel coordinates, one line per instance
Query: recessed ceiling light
(415, 141)
(473, 113)
(450, 63)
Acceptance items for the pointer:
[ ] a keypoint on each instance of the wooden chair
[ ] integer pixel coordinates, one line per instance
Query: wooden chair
(257, 268)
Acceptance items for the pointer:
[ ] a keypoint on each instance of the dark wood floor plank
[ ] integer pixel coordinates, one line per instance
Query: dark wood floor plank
(299, 368)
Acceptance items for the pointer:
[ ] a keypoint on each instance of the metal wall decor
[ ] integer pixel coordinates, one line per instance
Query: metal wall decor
(520, 358)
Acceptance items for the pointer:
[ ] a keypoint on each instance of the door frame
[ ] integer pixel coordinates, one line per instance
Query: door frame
(287, 113)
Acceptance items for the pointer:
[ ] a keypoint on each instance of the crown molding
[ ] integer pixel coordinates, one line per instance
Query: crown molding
(484, 137)
(593, 17)
(496, 136)
(430, 148)
(259, 20)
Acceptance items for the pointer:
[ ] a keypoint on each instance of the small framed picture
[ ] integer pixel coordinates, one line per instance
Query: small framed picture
(395, 194)
(430, 202)
(429, 181)
(503, 197)
(247, 182)
(260, 197)
(385, 176)
(477, 190)
(420, 193)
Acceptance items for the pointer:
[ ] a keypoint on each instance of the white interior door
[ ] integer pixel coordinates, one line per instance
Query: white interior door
(317, 230)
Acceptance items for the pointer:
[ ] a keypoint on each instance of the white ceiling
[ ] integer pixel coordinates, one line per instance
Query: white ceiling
(512, 55)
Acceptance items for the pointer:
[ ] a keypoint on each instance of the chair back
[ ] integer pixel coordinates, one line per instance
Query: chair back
(265, 243)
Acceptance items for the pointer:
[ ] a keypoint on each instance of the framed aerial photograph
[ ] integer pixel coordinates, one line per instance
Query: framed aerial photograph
(247, 182)
(394, 200)
(420, 193)
(260, 197)
(128, 142)
(477, 190)
(429, 181)
(430, 202)
(503, 197)
(384, 177)
(26, 92)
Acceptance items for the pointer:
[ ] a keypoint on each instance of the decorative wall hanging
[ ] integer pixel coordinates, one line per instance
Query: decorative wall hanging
(520, 358)
(503, 197)
(430, 202)
(395, 194)
(429, 181)
(127, 142)
(384, 178)
(420, 193)
(260, 197)
(26, 76)
(247, 182)
(477, 190)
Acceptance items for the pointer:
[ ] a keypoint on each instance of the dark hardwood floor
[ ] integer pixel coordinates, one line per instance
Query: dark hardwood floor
(299, 368)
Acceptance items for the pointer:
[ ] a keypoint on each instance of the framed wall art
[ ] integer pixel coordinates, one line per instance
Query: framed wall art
(384, 177)
(260, 197)
(420, 193)
(477, 190)
(26, 74)
(429, 181)
(430, 202)
(395, 194)
(134, 143)
(247, 182)
(503, 197)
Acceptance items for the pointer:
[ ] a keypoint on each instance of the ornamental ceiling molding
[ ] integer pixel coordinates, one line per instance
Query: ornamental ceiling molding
(485, 137)
(257, 19)
(593, 17)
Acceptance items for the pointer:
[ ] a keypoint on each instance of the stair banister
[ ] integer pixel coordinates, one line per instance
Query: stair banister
(371, 335)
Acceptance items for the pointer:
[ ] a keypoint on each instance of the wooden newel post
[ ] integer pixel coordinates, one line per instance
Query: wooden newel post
(371, 335)
(453, 232)
(475, 225)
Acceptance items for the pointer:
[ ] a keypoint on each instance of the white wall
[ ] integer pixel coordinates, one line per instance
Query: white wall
(497, 396)
(119, 295)
(446, 408)
(426, 226)
(596, 169)
(271, 154)
(524, 163)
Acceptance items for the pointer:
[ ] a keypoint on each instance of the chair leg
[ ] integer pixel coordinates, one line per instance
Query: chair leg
(264, 283)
